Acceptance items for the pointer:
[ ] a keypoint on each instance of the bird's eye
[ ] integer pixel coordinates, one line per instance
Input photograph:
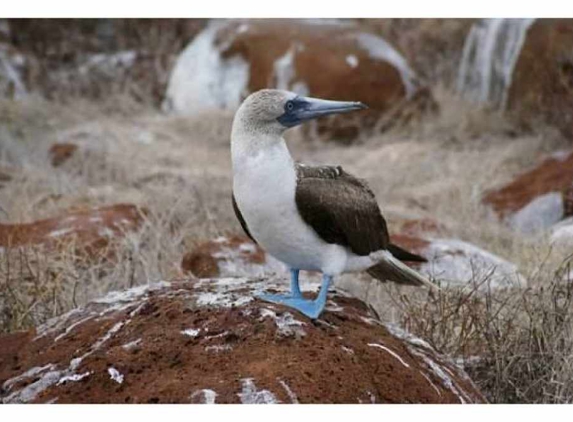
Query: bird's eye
(289, 106)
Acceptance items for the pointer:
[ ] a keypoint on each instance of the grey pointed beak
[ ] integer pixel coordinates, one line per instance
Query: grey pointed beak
(315, 107)
(307, 108)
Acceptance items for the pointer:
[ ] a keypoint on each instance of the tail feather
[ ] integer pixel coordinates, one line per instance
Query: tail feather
(390, 268)
(404, 255)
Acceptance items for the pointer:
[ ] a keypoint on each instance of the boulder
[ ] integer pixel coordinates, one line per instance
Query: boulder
(329, 59)
(562, 233)
(453, 262)
(535, 199)
(234, 255)
(210, 341)
(540, 214)
(542, 81)
(90, 228)
(458, 263)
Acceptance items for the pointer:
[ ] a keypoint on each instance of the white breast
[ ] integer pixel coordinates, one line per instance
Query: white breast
(264, 187)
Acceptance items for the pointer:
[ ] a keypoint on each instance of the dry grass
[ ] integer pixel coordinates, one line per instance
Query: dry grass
(516, 344)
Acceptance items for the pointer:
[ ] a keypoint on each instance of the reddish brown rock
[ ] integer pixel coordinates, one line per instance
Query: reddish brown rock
(411, 243)
(338, 61)
(60, 153)
(552, 175)
(228, 256)
(209, 341)
(542, 81)
(90, 228)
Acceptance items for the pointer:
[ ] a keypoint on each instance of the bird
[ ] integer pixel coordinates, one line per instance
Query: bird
(312, 218)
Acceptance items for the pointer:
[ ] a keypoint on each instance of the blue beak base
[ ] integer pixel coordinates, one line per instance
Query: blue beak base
(302, 109)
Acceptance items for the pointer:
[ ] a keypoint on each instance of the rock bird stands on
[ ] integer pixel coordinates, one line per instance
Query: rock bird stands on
(314, 218)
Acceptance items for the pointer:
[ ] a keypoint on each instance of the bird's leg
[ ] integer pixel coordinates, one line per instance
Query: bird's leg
(294, 287)
(310, 308)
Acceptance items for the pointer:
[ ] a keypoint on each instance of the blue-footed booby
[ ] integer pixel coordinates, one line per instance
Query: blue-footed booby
(314, 218)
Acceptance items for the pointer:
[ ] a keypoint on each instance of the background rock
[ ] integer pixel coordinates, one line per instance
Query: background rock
(545, 184)
(562, 233)
(229, 257)
(334, 60)
(91, 228)
(209, 341)
(542, 82)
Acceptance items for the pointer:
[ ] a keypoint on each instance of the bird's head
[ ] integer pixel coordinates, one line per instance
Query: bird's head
(274, 110)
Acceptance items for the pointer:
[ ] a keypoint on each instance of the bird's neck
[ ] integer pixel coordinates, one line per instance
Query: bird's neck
(252, 148)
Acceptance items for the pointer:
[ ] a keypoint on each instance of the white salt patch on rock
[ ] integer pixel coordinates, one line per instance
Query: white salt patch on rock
(406, 336)
(202, 79)
(352, 60)
(61, 232)
(233, 263)
(332, 306)
(347, 350)
(55, 324)
(191, 332)
(250, 394)
(372, 397)
(209, 396)
(30, 392)
(218, 348)
(490, 52)
(447, 381)
(540, 214)
(292, 396)
(286, 324)
(562, 233)
(131, 345)
(132, 294)
(73, 377)
(32, 372)
(115, 375)
(378, 48)
(284, 70)
(216, 336)
(221, 299)
(431, 383)
(74, 363)
(71, 327)
(455, 262)
(420, 348)
(394, 354)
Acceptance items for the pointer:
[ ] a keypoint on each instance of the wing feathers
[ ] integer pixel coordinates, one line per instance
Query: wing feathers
(341, 209)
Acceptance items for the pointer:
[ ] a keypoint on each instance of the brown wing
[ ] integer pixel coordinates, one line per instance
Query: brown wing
(340, 208)
(241, 219)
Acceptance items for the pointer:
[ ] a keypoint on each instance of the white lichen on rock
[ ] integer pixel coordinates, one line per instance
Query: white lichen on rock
(115, 375)
(250, 394)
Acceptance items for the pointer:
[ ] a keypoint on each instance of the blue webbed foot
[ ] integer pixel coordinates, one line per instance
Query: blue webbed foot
(310, 308)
